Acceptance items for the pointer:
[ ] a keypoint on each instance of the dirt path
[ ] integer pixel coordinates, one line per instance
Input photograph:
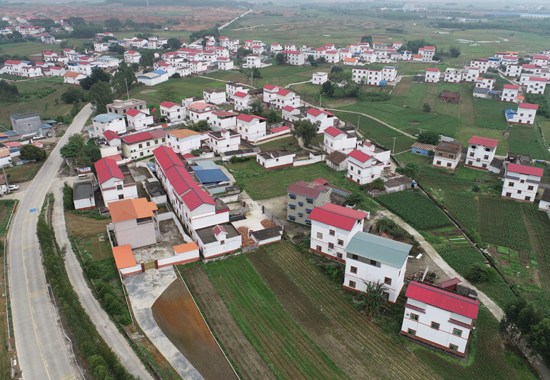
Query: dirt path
(179, 318)
(248, 362)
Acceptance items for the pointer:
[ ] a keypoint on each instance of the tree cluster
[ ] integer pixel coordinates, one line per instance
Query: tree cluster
(8, 92)
(305, 130)
(429, 137)
(213, 31)
(410, 170)
(523, 319)
(73, 94)
(98, 75)
(542, 101)
(79, 153)
(32, 152)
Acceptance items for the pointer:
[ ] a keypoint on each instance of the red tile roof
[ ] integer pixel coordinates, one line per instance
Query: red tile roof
(316, 112)
(308, 190)
(523, 169)
(337, 216)
(249, 118)
(483, 141)
(166, 157)
(529, 106)
(288, 108)
(188, 189)
(539, 56)
(241, 94)
(511, 87)
(168, 104)
(443, 299)
(432, 69)
(283, 92)
(333, 131)
(538, 79)
(359, 156)
(271, 87)
(110, 135)
(132, 112)
(528, 66)
(279, 129)
(107, 169)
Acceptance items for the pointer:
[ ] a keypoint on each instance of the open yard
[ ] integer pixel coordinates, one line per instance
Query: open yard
(23, 173)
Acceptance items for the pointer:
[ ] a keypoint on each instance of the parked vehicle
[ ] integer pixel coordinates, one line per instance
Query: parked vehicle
(13, 187)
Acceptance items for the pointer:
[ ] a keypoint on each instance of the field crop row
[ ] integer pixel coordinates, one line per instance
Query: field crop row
(283, 344)
(489, 114)
(415, 209)
(386, 358)
(524, 139)
(464, 208)
(501, 223)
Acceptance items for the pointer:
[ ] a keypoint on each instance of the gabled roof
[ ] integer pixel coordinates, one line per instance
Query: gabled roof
(271, 87)
(128, 209)
(168, 104)
(386, 251)
(337, 216)
(316, 112)
(240, 94)
(307, 190)
(107, 117)
(529, 106)
(219, 230)
(333, 131)
(183, 133)
(288, 108)
(110, 135)
(359, 156)
(187, 188)
(443, 299)
(166, 157)
(523, 169)
(249, 118)
(511, 87)
(283, 92)
(199, 106)
(483, 141)
(182, 248)
(72, 74)
(143, 136)
(132, 112)
(536, 79)
(107, 169)
(432, 69)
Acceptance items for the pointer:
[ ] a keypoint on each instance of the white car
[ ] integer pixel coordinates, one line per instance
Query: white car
(13, 187)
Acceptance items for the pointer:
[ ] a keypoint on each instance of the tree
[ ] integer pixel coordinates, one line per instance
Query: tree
(173, 43)
(100, 95)
(168, 93)
(147, 59)
(75, 110)
(454, 51)
(129, 23)
(367, 39)
(63, 45)
(123, 79)
(73, 94)
(176, 76)
(256, 106)
(8, 92)
(116, 48)
(32, 152)
(428, 137)
(373, 299)
(410, 170)
(72, 150)
(305, 130)
(327, 88)
(377, 184)
(279, 58)
(200, 126)
(98, 75)
(539, 338)
(113, 24)
(355, 198)
(272, 116)
(426, 108)
(256, 73)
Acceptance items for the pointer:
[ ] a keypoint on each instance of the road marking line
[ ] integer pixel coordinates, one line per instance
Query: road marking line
(29, 220)
(37, 293)
(70, 377)
(30, 246)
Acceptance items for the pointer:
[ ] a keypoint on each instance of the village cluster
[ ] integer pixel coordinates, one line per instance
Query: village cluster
(217, 218)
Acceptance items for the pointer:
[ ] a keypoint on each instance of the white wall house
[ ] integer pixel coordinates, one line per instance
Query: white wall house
(432, 75)
(470, 74)
(513, 70)
(142, 144)
(279, 97)
(183, 141)
(439, 317)
(427, 53)
(251, 127)
(510, 93)
(171, 111)
(108, 122)
(241, 100)
(225, 140)
(332, 227)
(276, 159)
(324, 118)
(232, 88)
(223, 120)
(362, 168)
(535, 85)
(131, 57)
(453, 75)
(525, 114)
(214, 96)
(290, 114)
(487, 83)
(113, 183)
(375, 259)
(336, 139)
(380, 153)
(200, 111)
(447, 155)
(138, 119)
(521, 182)
(374, 77)
(253, 61)
(481, 151)
(293, 57)
(225, 64)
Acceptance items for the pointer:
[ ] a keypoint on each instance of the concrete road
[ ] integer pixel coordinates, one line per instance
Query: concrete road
(99, 317)
(41, 348)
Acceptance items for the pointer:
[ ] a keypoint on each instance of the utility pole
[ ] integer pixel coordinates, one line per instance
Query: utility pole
(393, 150)
(358, 121)
(127, 93)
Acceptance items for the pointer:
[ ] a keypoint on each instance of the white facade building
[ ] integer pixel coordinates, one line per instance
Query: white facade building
(225, 140)
(336, 139)
(362, 168)
(108, 122)
(214, 96)
(324, 118)
(510, 93)
(113, 182)
(521, 182)
(183, 141)
(432, 75)
(481, 151)
(171, 111)
(251, 127)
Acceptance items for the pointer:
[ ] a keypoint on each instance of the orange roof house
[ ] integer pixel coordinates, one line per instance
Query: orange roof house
(132, 209)
(135, 222)
(124, 258)
(183, 133)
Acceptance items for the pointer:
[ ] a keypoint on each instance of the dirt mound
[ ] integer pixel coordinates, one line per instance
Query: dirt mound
(243, 231)
(179, 318)
(268, 223)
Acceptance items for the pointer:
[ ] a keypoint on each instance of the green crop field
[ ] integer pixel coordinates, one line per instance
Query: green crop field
(489, 114)
(524, 139)
(415, 209)
(463, 207)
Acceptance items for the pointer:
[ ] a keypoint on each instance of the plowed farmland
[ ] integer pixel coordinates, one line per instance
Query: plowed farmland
(243, 356)
(178, 317)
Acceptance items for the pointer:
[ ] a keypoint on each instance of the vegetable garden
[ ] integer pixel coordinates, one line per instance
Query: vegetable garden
(416, 209)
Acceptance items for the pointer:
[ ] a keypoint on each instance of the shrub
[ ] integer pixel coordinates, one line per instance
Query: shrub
(68, 197)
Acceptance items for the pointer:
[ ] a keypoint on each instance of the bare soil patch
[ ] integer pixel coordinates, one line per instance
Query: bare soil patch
(244, 357)
(179, 318)
(82, 226)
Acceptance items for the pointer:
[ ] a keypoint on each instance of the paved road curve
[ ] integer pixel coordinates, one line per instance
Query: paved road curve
(99, 317)
(41, 348)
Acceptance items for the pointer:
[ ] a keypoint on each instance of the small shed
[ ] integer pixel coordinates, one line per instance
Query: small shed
(398, 184)
(423, 149)
(83, 195)
(544, 203)
(337, 161)
(451, 97)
